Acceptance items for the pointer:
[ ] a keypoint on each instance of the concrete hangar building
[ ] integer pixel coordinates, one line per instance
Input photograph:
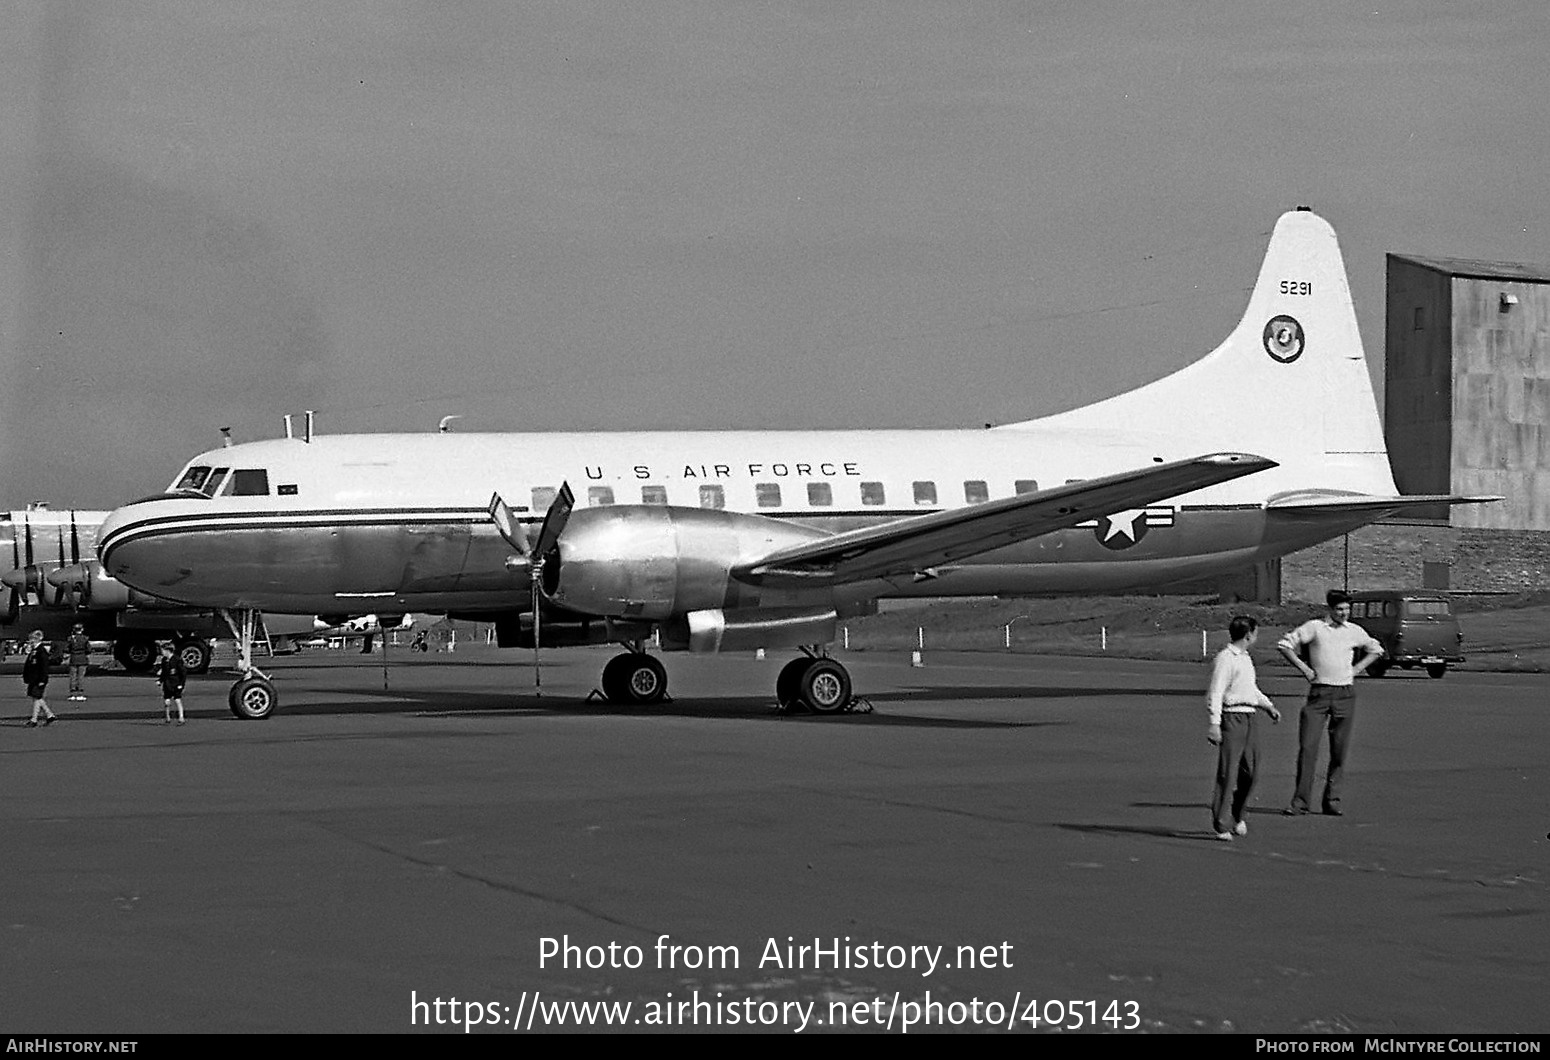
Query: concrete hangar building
(1466, 410)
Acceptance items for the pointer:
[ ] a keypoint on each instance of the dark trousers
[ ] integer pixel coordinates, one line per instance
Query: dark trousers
(1334, 705)
(1237, 760)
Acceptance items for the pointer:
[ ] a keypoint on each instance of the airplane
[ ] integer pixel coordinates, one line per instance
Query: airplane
(734, 540)
(366, 627)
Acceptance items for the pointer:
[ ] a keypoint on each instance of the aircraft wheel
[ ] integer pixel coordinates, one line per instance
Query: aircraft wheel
(635, 678)
(788, 684)
(824, 686)
(252, 698)
(1378, 669)
(135, 654)
(195, 654)
(1437, 669)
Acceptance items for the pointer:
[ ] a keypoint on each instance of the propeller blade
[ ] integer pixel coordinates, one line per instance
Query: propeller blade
(13, 609)
(538, 677)
(506, 525)
(554, 520)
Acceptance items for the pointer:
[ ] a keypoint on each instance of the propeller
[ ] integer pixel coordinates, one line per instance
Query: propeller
(73, 581)
(16, 582)
(548, 539)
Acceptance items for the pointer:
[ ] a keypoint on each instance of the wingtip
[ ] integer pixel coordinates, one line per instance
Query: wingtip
(1239, 459)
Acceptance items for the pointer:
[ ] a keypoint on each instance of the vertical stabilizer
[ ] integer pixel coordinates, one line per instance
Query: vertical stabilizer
(1290, 382)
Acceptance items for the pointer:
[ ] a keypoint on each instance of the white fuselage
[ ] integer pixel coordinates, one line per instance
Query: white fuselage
(400, 522)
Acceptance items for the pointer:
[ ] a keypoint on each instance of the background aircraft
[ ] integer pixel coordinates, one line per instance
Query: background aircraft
(52, 581)
(730, 540)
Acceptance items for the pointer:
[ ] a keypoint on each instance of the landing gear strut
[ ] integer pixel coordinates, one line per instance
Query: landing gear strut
(253, 696)
(816, 682)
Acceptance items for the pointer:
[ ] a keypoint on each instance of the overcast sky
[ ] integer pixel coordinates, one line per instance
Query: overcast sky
(699, 215)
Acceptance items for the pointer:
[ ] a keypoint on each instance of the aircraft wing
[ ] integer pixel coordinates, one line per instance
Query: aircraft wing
(1355, 503)
(919, 543)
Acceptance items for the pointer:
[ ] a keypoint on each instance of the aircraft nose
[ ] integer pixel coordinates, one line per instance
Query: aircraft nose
(133, 545)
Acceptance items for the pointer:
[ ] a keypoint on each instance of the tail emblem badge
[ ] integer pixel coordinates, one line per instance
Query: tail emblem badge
(1283, 339)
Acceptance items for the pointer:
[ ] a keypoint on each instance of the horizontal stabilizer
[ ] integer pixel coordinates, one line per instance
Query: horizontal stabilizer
(920, 543)
(1327, 504)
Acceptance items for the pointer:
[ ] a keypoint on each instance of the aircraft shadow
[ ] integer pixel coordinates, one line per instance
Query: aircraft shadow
(491, 704)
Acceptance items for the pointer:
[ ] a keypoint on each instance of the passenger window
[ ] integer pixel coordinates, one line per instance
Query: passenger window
(1026, 485)
(249, 483)
(653, 494)
(975, 492)
(1390, 609)
(712, 497)
(820, 494)
(767, 494)
(872, 493)
(600, 496)
(925, 493)
(543, 496)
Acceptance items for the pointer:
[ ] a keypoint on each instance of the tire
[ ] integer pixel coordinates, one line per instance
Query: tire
(252, 699)
(135, 654)
(1378, 669)
(824, 687)
(641, 680)
(788, 686)
(195, 654)
(613, 679)
(1437, 670)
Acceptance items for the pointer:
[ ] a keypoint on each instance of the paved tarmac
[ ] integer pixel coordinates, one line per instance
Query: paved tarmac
(364, 850)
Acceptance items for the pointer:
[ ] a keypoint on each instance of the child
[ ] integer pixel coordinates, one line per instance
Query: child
(169, 670)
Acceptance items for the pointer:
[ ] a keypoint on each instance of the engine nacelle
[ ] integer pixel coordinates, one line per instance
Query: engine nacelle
(653, 561)
(763, 627)
(98, 590)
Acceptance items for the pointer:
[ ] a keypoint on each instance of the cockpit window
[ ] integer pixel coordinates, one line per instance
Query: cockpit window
(246, 482)
(203, 480)
(193, 480)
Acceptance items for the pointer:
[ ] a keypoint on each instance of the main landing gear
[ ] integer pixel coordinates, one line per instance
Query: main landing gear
(814, 682)
(137, 653)
(253, 696)
(634, 678)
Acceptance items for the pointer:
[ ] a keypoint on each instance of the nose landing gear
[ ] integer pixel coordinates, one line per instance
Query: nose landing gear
(253, 697)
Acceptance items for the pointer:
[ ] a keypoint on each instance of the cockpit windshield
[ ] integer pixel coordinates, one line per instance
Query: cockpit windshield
(223, 481)
(193, 481)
